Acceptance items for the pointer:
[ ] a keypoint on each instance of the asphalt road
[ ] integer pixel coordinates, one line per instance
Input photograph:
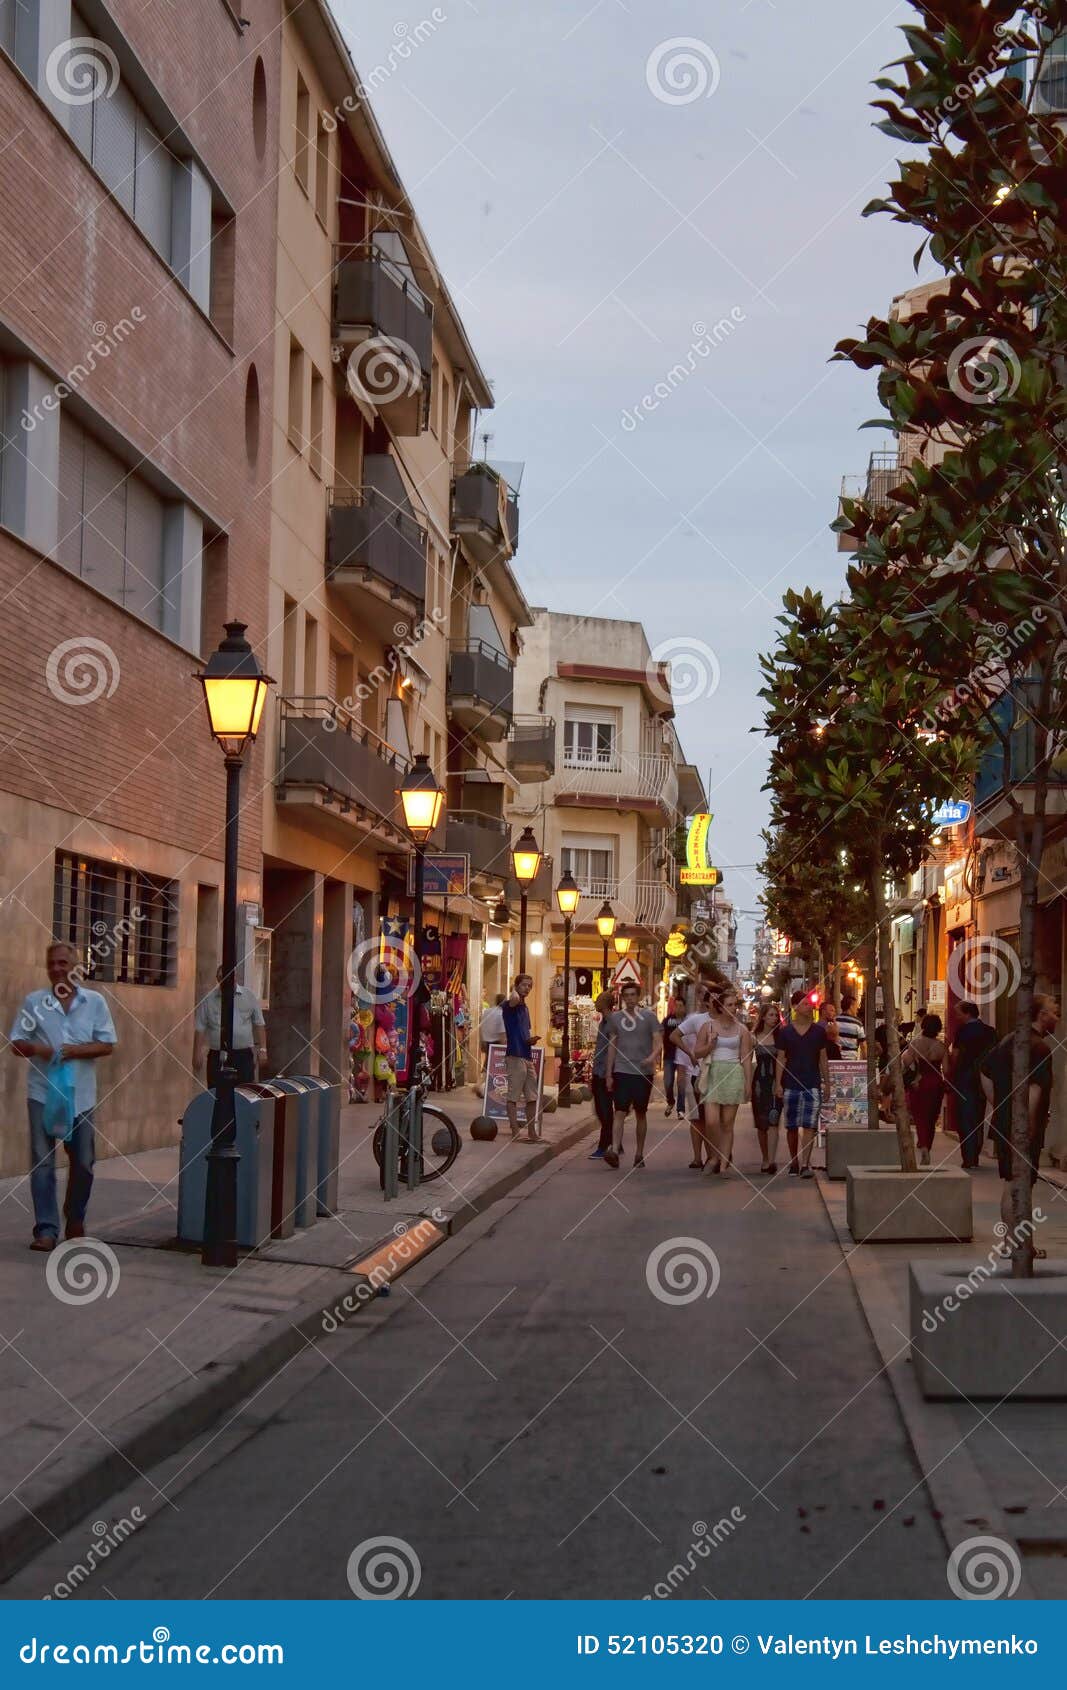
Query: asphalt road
(556, 1429)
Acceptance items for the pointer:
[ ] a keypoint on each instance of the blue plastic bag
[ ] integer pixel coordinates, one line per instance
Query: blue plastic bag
(59, 1101)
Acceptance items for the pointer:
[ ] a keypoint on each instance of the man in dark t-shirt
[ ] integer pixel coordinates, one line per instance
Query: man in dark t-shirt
(802, 1075)
(996, 1073)
(973, 1040)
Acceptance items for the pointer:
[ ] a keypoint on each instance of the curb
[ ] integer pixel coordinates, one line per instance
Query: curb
(949, 1472)
(47, 1506)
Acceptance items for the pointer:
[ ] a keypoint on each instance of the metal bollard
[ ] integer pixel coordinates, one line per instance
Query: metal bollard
(391, 1148)
(413, 1136)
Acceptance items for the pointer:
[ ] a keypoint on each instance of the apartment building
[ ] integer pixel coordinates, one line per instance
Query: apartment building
(610, 808)
(395, 614)
(136, 382)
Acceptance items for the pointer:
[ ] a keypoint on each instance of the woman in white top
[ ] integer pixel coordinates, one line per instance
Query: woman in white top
(683, 1039)
(724, 1050)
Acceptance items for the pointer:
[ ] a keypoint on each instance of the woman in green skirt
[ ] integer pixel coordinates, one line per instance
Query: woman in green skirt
(724, 1051)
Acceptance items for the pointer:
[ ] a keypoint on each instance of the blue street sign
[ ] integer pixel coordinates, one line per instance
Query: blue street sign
(952, 813)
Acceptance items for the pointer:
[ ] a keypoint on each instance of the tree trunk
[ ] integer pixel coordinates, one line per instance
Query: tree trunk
(1030, 843)
(835, 966)
(889, 1009)
(870, 1022)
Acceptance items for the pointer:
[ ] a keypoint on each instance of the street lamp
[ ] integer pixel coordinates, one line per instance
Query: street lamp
(605, 926)
(235, 690)
(422, 799)
(568, 893)
(526, 862)
(623, 941)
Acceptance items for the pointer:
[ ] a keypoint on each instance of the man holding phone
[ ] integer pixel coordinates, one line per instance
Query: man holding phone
(519, 1063)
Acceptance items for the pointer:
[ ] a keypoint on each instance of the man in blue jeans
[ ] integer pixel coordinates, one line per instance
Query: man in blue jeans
(69, 1021)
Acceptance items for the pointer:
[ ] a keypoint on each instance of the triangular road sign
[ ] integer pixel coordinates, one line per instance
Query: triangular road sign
(626, 973)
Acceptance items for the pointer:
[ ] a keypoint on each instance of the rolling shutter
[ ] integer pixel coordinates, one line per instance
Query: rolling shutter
(155, 181)
(115, 143)
(104, 524)
(143, 593)
(71, 479)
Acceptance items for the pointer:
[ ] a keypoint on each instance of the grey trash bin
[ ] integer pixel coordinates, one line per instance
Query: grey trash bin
(304, 1110)
(254, 1107)
(328, 1139)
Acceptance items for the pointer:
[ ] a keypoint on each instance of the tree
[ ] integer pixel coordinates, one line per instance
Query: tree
(851, 767)
(968, 562)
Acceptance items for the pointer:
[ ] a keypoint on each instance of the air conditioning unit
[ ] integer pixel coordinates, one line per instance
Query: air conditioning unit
(1050, 88)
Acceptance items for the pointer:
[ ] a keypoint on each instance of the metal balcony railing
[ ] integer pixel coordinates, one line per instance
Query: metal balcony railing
(485, 839)
(324, 748)
(647, 775)
(366, 530)
(532, 747)
(371, 292)
(479, 672)
(482, 498)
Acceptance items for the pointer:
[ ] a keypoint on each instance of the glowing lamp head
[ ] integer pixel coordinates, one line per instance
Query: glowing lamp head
(605, 921)
(568, 893)
(526, 857)
(235, 691)
(422, 799)
(623, 941)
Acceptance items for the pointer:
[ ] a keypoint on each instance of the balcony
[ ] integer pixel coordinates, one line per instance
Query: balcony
(386, 322)
(993, 816)
(338, 774)
(486, 840)
(884, 472)
(480, 689)
(485, 514)
(532, 748)
(614, 780)
(376, 556)
(648, 904)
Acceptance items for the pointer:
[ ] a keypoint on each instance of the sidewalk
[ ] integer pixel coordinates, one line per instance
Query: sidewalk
(1013, 1454)
(142, 1349)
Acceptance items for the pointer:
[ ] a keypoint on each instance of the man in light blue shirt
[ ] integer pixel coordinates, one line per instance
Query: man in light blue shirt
(74, 1023)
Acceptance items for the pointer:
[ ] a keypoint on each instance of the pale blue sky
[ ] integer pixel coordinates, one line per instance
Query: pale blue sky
(584, 226)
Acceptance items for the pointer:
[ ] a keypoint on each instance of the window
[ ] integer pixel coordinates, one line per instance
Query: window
(296, 394)
(124, 924)
(111, 525)
(435, 397)
(444, 433)
(322, 175)
(592, 864)
(289, 649)
(590, 740)
(315, 423)
(303, 132)
(311, 657)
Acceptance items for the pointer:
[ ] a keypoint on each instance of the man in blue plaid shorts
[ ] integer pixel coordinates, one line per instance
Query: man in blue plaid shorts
(802, 1078)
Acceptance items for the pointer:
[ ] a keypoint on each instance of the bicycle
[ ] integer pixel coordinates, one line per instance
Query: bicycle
(441, 1143)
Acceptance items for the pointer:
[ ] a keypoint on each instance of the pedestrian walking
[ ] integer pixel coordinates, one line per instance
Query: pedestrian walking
(922, 1062)
(974, 1040)
(491, 1028)
(602, 1103)
(851, 1036)
(996, 1074)
(802, 1078)
(519, 1062)
(684, 1040)
(633, 1037)
(674, 1077)
(828, 1020)
(724, 1050)
(765, 1107)
(249, 1033)
(62, 1031)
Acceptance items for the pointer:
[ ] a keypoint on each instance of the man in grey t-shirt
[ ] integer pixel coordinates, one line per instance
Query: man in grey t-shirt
(633, 1037)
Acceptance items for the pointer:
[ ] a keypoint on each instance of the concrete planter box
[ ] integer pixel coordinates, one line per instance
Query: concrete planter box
(856, 1147)
(978, 1333)
(885, 1205)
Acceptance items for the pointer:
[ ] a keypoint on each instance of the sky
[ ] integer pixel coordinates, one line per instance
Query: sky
(620, 189)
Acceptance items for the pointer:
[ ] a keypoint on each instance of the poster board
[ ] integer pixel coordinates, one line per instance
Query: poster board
(846, 1104)
(494, 1102)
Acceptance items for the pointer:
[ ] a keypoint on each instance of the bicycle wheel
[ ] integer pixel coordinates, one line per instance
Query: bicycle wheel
(441, 1144)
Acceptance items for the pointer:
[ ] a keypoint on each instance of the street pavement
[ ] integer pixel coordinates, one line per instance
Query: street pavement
(553, 1405)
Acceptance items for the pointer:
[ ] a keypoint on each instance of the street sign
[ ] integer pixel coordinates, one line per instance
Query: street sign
(952, 813)
(626, 973)
(698, 876)
(444, 875)
(701, 909)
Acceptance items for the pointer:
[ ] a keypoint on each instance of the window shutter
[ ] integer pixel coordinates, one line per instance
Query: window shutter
(115, 143)
(7, 26)
(104, 528)
(71, 492)
(143, 594)
(154, 184)
(331, 676)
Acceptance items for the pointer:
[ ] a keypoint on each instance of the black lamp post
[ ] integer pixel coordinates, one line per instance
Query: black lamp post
(235, 690)
(526, 862)
(422, 799)
(605, 926)
(568, 893)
